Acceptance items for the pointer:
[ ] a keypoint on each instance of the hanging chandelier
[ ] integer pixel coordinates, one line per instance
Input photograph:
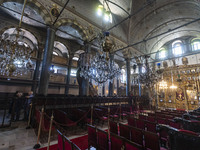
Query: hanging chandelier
(14, 53)
(149, 76)
(99, 68)
(14, 56)
(163, 84)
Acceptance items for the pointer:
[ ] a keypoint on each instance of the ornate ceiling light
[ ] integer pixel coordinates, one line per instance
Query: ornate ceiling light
(15, 56)
(148, 77)
(14, 53)
(99, 68)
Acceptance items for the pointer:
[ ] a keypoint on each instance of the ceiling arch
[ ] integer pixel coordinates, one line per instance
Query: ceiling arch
(71, 27)
(161, 18)
(26, 34)
(33, 9)
(172, 36)
(62, 48)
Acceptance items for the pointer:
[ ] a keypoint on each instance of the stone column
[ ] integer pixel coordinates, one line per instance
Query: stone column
(85, 82)
(37, 69)
(46, 63)
(68, 74)
(118, 86)
(111, 84)
(139, 84)
(128, 77)
(103, 90)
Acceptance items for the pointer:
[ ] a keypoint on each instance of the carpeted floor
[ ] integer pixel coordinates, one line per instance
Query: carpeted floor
(81, 142)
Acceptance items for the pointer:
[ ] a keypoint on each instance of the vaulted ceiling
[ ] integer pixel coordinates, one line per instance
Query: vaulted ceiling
(145, 25)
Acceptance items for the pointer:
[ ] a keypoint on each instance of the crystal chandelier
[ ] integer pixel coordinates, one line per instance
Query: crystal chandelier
(99, 68)
(14, 56)
(14, 53)
(149, 76)
(163, 84)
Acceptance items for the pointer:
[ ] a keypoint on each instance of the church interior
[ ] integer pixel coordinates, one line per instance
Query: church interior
(99, 74)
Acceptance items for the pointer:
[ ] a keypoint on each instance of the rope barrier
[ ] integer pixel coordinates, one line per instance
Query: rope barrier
(39, 130)
(29, 117)
(65, 125)
(49, 138)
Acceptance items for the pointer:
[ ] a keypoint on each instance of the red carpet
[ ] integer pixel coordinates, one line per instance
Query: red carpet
(81, 142)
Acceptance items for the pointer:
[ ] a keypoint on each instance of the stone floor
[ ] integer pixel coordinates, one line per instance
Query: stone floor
(17, 137)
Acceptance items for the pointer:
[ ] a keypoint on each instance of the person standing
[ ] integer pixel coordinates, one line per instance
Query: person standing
(28, 101)
(18, 104)
(12, 102)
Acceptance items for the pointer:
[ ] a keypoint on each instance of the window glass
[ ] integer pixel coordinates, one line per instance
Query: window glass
(123, 76)
(162, 53)
(177, 47)
(73, 72)
(196, 45)
(55, 53)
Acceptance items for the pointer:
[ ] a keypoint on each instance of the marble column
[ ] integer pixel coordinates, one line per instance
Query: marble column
(37, 70)
(46, 63)
(139, 84)
(68, 74)
(111, 84)
(128, 77)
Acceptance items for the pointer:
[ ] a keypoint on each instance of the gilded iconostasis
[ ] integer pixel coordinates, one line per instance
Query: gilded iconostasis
(179, 88)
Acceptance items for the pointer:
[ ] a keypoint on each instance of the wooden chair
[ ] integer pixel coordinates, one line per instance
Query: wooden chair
(117, 142)
(137, 136)
(92, 137)
(124, 131)
(102, 140)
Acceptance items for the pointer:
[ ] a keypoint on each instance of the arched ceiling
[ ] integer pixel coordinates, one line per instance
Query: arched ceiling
(163, 16)
(30, 12)
(151, 18)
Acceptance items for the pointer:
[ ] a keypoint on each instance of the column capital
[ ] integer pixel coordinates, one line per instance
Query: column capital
(41, 46)
(71, 55)
(87, 47)
(51, 27)
(139, 64)
(128, 59)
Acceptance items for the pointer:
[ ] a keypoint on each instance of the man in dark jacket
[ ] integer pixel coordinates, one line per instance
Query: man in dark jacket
(28, 101)
(18, 105)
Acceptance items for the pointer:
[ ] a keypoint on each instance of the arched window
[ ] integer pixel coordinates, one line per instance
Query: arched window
(177, 47)
(77, 54)
(55, 53)
(123, 76)
(162, 53)
(195, 44)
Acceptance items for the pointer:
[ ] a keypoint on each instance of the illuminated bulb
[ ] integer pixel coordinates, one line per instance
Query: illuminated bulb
(107, 16)
(100, 10)
(173, 86)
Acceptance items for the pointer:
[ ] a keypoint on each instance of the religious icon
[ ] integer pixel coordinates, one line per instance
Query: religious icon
(180, 94)
(54, 11)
